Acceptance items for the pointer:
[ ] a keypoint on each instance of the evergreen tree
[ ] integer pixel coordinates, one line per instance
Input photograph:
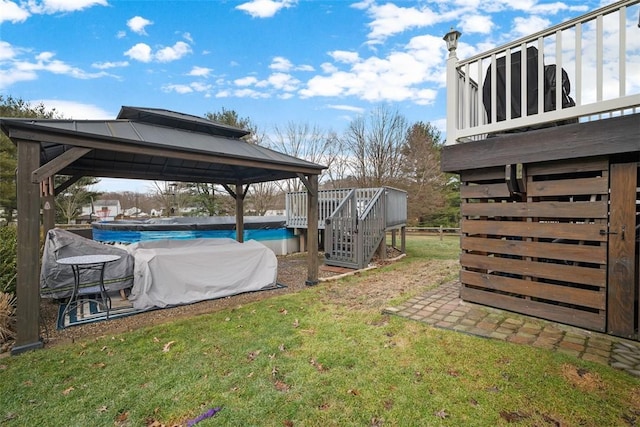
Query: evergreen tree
(12, 107)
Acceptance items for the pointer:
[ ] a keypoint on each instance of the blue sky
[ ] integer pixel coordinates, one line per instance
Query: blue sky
(275, 61)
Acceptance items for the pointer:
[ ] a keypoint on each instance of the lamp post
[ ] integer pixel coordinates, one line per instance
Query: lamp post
(173, 186)
(451, 38)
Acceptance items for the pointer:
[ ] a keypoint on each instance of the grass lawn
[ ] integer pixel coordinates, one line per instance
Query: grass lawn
(310, 359)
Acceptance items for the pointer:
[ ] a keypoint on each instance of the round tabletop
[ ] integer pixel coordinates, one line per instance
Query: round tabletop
(88, 259)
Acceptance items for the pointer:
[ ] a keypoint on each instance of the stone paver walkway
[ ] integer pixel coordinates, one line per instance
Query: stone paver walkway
(443, 308)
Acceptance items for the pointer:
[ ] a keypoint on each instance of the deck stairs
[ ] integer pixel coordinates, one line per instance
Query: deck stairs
(354, 221)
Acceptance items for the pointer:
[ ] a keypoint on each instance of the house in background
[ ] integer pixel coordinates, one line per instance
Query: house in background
(102, 210)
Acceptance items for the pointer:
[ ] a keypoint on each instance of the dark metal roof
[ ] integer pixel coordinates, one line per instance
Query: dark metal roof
(156, 145)
(174, 119)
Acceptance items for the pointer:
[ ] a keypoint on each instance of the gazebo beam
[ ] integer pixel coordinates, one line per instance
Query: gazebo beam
(59, 163)
(28, 289)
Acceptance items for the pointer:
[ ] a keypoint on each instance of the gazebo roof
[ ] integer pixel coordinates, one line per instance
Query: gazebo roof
(156, 144)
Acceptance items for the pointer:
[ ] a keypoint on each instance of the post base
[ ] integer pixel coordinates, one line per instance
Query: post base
(19, 349)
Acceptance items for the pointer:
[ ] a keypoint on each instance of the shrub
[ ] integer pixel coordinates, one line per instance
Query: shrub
(7, 309)
(8, 258)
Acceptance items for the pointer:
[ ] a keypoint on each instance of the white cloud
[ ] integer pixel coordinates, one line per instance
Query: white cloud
(17, 69)
(181, 89)
(328, 68)
(61, 6)
(344, 56)
(10, 11)
(281, 64)
(364, 4)
(187, 37)
(530, 25)
(403, 75)
(137, 24)
(121, 34)
(76, 110)
(283, 81)
(246, 81)
(7, 51)
(108, 65)
(11, 76)
(200, 87)
(249, 93)
(173, 53)
(187, 88)
(350, 108)
(554, 8)
(390, 19)
(200, 71)
(264, 8)
(140, 52)
(480, 24)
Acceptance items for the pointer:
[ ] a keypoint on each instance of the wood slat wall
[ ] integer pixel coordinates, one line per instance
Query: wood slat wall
(540, 248)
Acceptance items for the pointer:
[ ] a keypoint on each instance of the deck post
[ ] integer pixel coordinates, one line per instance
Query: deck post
(452, 85)
(28, 285)
(312, 230)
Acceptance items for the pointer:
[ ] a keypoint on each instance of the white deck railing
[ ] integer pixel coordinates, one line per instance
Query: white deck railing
(599, 52)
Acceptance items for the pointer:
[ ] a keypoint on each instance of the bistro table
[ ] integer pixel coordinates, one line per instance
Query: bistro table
(82, 263)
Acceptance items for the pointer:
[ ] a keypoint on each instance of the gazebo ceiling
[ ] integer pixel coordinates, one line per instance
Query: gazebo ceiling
(154, 144)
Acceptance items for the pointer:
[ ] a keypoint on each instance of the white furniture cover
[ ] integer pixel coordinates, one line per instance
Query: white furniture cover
(173, 272)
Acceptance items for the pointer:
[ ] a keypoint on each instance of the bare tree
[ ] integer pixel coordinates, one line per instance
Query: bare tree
(261, 197)
(307, 142)
(338, 172)
(374, 143)
(171, 196)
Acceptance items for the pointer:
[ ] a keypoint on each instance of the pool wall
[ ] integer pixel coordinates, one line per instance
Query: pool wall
(268, 230)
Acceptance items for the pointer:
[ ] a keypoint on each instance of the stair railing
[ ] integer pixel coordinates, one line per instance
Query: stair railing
(341, 234)
(371, 227)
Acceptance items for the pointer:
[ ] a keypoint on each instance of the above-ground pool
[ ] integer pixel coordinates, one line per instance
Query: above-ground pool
(268, 230)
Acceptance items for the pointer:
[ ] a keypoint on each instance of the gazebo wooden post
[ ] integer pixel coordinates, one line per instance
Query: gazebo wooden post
(239, 213)
(312, 229)
(28, 289)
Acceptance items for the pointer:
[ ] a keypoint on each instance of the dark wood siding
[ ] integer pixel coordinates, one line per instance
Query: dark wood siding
(534, 239)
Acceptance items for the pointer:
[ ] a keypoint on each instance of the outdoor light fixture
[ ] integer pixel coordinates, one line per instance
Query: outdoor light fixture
(452, 39)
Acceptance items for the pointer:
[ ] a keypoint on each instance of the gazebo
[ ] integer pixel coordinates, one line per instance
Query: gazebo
(141, 143)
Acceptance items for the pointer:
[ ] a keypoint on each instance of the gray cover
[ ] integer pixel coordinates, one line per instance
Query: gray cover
(56, 281)
(174, 272)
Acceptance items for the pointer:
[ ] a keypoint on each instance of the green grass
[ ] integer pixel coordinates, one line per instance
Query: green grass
(305, 359)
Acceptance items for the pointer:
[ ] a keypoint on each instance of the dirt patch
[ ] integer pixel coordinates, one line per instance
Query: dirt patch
(378, 289)
(582, 378)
